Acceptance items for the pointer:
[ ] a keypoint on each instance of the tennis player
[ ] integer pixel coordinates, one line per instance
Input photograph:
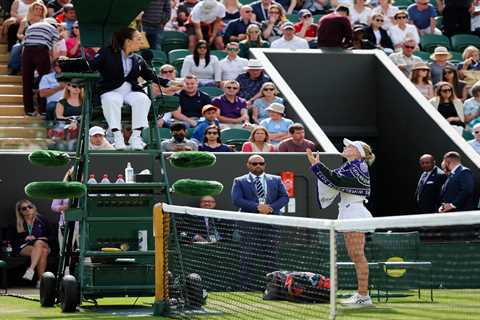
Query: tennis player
(352, 181)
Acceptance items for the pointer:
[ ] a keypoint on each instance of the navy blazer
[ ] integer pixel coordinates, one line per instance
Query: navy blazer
(459, 189)
(257, 10)
(109, 63)
(385, 40)
(428, 195)
(244, 194)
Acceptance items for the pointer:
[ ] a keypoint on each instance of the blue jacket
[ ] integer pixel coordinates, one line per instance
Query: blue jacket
(459, 189)
(244, 194)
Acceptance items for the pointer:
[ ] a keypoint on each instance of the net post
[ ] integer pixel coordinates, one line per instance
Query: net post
(160, 306)
(333, 272)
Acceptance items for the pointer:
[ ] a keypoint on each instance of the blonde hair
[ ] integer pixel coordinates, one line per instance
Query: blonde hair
(467, 53)
(369, 155)
(268, 84)
(67, 94)
(31, 9)
(19, 215)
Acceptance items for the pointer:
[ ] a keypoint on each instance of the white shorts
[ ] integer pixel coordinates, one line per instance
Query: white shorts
(353, 210)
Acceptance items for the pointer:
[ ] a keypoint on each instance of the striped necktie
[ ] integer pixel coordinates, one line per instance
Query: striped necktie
(259, 188)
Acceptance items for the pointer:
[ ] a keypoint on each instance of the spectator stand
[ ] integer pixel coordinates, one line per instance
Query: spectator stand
(428, 42)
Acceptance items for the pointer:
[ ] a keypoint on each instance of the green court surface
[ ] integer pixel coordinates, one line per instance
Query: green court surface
(448, 305)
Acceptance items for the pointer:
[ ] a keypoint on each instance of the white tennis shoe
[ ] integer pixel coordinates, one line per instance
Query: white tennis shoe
(29, 274)
(357, 300)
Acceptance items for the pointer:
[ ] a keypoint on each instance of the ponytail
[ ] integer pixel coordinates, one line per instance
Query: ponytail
(369, 156)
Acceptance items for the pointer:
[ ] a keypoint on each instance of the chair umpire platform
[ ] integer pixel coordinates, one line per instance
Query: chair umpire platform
(395, 264)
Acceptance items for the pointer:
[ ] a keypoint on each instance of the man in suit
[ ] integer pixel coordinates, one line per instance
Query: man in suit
(200, 229)
(258, 193)
(429, 185)
(457, 192)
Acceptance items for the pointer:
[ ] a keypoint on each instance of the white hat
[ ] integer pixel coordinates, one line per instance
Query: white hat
(276, 107)
(254, 64)
(96, 130)
(207, 6)
(357, 144)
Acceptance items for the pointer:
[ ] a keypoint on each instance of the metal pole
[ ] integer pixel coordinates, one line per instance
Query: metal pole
(333, 274)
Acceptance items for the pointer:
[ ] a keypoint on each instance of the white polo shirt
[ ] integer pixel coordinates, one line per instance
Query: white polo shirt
(295, 43)
(232, 68)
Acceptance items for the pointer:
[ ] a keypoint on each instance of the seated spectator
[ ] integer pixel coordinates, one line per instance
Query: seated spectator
(268, 95)
(212, 141)
(97, 139)
(405, 59)
(421, 79)
(232, 10)
(176, 22)
(209, 113)
(335, 30)
(33, 238)
(450, 75)
(71, 104)
(178, 142)
(422, 14)
(232, 65)
(233, 109)
(167, 71)
(471, 108)
(237, 29)
(378, 36)
(306, 28)
(252, 80)
(388, 10)
(475, 18)
(68, 17)
(289, 40)
(191, 102)
(317, 6)
(449, 106)
(297, 141)
(37, 45)
(253, 40)
(18, 11)
(471, 61)
(260, 9)
(475, 143)
(51, 89)
(402, 30)
(271, 28)
(258, 141)
(203, 65)
(74, 47)
(360, 13)
(206, 23)
(358, 38)
(440, 57)
(276, 125)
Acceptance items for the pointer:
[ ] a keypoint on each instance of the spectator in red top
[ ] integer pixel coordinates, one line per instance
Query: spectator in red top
(335, 30)
(74, 45)
(305, 28)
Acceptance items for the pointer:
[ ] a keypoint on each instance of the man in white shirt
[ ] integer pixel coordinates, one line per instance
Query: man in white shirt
(51, 89)
(475, 143)
(232, 65)
(289, 40)
(207, 16)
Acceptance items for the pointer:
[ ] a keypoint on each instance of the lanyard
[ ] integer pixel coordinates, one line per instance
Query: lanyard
(30, 228)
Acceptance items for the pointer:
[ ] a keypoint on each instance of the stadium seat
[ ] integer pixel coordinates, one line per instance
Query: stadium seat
(403, 4)
(247, 1)
(467, 135)
(174, 40)
(177, 54)
(397, 254)
(428, 42)
(294, 18)
(220, 54)
(178, 65)
(317, 17)
(439, 22)
(235, 136)
(159, 59)
(456, 57)
(425, 56)
(164, 135)
(212, 92)
(461, 41)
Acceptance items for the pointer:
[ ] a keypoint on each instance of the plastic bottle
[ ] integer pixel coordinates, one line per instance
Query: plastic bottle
(105, 180)
(92, 180)
(120, 180)
(129, 178)
(8, 249)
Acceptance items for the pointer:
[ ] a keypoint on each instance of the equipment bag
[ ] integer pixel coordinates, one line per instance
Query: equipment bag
(297, 286)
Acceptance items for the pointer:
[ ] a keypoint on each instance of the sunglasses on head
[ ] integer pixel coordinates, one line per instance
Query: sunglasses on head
(26, 207)
(230, 88)
(257, 163)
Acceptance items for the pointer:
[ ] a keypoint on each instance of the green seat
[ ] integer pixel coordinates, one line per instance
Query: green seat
(178, 65)
(456, 58)
(220, 54)
(294, 18)
(403, 4)
(189, 133)
(235, 136)
(164, 135)
(425, 56)
(247, 1)
(428, 42)
(467, 135)
(174, 40)
(317, 17)
(212, 91)
(159, 58)
(178, 54)
(3, 264)
(461, 41)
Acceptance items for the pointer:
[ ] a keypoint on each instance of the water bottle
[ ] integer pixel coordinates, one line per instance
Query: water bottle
(129, 178)
(92, 180)
(105, 180)
(8, 249)
(120, 180)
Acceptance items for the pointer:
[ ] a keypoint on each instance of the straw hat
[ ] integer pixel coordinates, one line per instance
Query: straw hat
(253, 64)
(441, 51)
(276, 107)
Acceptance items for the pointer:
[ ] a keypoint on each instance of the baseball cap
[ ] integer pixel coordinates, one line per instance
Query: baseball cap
(96, 130)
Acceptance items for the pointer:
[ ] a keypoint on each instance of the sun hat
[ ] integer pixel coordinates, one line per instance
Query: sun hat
(96, 130)
(254, 64)
(208, 107)
(276, 107)
(441, 51)
(420, 66)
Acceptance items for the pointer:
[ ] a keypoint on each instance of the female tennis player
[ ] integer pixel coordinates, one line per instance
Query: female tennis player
(352, 181)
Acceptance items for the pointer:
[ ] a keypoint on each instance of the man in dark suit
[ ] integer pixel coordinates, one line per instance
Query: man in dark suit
(458, 191)
(429, 185)
(197, 228)
(258, 193)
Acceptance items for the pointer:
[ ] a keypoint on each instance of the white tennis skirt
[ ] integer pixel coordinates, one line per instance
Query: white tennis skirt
(353, 210)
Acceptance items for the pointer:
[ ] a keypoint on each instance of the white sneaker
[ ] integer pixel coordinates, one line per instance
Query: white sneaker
(357, 300)
(29, 274)
(119, 141)
(136, 143)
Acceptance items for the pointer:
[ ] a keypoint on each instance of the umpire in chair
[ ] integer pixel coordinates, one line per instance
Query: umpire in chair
(258, 193)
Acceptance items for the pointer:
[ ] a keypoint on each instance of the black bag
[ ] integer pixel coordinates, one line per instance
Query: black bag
(74, 65)
(297, 286)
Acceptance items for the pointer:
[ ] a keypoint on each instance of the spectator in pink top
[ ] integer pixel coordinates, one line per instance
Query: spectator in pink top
(74, 45)
(258, 141)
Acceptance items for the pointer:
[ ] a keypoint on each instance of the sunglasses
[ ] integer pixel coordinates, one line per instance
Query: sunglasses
(307, 16)
(448, 71)
(74, 86)
(212, 133)
(232, 49)
(379, 20)
(446, 90)
(75, 27)
(268, 89)
(26, 207)
(409, 47)
(401, 17)
(202, 47)
(168, 71)
(248, 11)
(274, 12)
(232, 88)
(257, 163)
